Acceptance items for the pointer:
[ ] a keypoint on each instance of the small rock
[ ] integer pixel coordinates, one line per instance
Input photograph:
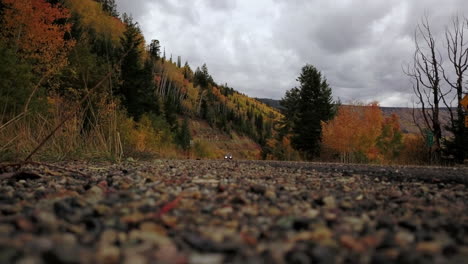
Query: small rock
(270, 194)
(223, 211)
(329, 202)
(206, 181)
(108, 237)
(206, 258)
(133, 218)
(320, 234)
(403, 238)
(152, 227)
(351, 243)
(29, 260)
(108, 255)
(94, 195)
(311, 213)
(135, 259)
(168, 220)
(429, 247)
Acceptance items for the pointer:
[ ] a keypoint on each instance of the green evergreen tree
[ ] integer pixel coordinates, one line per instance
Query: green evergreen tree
(305, 108)
(289, 108)
(179, 62)
(155, 49)
(16, 82)
(109, 6)
(132, 89)
(184, 136)
(188, 74)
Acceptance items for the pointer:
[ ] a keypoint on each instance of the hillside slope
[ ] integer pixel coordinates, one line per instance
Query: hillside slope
(213, 143)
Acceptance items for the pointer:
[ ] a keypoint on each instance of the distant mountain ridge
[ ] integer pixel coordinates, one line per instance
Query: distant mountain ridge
(270, 102)
(404, 113)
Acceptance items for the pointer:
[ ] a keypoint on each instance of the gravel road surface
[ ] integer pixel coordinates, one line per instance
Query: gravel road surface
(188, 211)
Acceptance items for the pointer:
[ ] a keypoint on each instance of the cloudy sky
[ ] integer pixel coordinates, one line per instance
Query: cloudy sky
(259, 46)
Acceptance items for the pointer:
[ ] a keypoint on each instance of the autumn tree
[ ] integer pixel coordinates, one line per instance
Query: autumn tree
(360, 133)
(390, 140)
(310, 104)
(38, 32)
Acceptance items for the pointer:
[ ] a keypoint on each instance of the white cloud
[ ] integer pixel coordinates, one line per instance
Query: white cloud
(258, 47)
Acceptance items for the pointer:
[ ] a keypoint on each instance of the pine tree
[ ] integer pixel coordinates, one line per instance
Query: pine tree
(305, 108)
(109, 6)
(188, 74)
(155, 49)
(184, 136)
(132, 89)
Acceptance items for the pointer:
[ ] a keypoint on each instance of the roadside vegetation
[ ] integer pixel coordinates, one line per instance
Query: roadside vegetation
(85, 73)
(79, 81)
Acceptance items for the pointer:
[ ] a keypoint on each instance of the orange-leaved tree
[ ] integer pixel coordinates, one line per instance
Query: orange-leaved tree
(38, 32)
(360, 133)
(390, 141)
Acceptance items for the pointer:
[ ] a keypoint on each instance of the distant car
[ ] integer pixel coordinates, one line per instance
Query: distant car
(228, 156)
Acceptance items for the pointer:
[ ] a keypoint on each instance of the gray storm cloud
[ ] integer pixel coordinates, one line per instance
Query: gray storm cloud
(258, 47)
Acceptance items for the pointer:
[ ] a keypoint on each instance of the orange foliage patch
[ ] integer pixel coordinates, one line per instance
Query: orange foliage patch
(357, 132)
(37, 30)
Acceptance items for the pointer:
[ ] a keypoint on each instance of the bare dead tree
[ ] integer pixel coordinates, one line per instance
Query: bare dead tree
(426, 77)
(457, 53)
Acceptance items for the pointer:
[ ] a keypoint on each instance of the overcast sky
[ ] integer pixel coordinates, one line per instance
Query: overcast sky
(259, 46)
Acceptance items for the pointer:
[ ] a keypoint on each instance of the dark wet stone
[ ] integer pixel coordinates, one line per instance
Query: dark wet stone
(346, 173)
(408, 225)
(8, 254)
(380, 258)
(384, 223)
(39, 194)
(387, 241)
(258, 189)
(319, 202)
(323, 255)
(25, 176)
(61, 255)
(301, 224)
(66, 207)
(206, 245)
(147, 209)
(407, 257)
(238, 200)
(450, 250)
(297, 257)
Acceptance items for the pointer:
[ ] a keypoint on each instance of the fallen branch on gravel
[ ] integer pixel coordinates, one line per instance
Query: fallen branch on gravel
(4, 173)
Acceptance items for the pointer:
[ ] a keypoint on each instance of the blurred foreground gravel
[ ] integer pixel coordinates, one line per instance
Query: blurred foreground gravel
(188, 211)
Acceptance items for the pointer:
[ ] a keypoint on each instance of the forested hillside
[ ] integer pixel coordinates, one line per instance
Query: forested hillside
(79, 81)
(82, 69)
